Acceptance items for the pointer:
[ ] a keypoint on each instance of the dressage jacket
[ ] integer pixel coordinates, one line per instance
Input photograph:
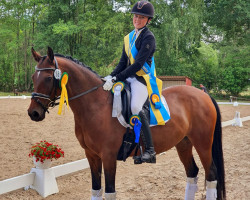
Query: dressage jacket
(145, 44)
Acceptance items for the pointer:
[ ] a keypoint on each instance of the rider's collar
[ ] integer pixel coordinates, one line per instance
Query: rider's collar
(138, 31)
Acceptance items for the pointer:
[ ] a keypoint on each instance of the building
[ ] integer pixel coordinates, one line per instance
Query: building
(174, 80)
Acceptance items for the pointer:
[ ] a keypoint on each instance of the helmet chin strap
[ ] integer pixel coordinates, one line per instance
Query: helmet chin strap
(149, 19)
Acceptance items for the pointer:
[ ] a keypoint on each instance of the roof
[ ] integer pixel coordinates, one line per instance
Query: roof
(173, 78)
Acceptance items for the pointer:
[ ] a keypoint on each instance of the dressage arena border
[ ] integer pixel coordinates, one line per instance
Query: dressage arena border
(15, 97)
(27, 180)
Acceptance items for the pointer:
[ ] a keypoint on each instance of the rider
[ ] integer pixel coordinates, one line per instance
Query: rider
(144, 41)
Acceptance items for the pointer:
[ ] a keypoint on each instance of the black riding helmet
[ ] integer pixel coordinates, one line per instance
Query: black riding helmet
(144, 8)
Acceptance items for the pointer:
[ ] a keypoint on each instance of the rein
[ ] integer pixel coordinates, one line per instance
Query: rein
(86, 92)
(52, 103)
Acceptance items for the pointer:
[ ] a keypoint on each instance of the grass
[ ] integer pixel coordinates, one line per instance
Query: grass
(12, 94)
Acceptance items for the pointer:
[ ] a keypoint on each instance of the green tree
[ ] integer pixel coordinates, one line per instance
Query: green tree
(93, 31)
(235, 70)
(177, 27)
(230, 16)
(205, 67)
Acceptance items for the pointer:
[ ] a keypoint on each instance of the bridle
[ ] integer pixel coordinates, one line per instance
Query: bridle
(52, 102)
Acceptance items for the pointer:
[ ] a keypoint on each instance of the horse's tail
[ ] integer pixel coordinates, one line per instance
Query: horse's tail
(217, 154)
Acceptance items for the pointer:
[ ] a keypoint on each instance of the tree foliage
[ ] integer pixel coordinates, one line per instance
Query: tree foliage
(203, 39)
(235, 70)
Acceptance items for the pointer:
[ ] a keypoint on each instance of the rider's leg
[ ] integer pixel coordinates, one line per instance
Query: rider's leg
(149, 154)
(139, 95)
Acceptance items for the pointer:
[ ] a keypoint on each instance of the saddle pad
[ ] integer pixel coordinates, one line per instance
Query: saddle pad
(126, 125)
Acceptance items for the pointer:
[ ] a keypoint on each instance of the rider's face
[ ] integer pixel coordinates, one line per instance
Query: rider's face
(140, 21)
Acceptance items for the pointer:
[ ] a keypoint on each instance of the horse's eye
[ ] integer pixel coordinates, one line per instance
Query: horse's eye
(48, 79)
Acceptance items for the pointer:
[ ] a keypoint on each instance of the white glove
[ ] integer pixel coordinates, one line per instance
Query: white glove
(109, 84)
(106, 78)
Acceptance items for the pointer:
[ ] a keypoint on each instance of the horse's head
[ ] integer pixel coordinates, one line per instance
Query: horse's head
(45, 79)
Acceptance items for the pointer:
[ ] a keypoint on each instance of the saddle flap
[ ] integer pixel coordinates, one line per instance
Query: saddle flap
(126, 102)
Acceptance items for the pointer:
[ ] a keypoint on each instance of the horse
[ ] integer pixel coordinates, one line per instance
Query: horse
(195, 122)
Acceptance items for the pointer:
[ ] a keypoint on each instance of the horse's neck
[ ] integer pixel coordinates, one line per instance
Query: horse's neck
(81, 80)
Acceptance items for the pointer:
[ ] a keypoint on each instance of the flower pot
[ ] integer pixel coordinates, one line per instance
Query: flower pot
(45, 165)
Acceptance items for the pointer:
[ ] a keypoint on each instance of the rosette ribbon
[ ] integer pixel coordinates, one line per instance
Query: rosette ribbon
(64, 93)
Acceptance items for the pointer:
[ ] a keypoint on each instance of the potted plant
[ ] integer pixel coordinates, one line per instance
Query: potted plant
(44, 152)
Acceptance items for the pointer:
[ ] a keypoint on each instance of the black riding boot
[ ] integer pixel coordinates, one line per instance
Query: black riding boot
(149, 154)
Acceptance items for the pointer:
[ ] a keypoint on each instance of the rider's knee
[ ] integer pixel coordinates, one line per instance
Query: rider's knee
(135, 109)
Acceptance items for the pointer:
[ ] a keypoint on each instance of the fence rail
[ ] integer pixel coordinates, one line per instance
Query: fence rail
(26, 180)
(15, 183)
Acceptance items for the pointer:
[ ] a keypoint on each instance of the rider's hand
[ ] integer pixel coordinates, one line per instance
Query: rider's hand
(107, 77)
(109, 83)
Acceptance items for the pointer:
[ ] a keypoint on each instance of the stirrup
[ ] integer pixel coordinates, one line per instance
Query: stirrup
(149, 156)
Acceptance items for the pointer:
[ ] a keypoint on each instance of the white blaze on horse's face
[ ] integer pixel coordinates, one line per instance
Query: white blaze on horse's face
(38, 73)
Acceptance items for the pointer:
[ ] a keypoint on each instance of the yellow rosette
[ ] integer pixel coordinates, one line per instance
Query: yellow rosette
(64, 93)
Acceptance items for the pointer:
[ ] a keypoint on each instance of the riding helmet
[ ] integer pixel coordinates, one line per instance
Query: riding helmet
(144, 8)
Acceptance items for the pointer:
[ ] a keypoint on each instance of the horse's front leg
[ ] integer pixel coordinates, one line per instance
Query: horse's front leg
(95, 164)
(109, 165)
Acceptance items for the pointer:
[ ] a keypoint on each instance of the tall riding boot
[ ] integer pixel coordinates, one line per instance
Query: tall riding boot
(149, 154)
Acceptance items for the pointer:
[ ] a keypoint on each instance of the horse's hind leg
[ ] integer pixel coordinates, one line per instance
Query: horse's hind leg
(184, 149)
(95, 164)
(204, 149)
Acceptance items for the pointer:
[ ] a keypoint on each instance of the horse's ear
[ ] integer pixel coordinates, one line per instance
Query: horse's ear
(50, 54)
(36, 55)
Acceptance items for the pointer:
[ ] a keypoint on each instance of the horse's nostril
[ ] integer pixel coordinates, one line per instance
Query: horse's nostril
(35, 115)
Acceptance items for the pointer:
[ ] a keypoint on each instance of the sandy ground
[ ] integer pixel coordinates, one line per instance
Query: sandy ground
(164, 180)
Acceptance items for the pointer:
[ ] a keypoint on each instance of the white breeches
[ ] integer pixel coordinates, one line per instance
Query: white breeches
(139, 95)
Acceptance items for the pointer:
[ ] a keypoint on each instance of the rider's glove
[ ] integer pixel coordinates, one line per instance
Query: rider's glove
(109, 83)
(107, 77)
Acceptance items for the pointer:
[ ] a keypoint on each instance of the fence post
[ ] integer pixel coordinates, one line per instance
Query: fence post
(237, 120)
(45, 182)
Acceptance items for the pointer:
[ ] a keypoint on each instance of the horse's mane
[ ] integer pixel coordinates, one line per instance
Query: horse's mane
(77, 62)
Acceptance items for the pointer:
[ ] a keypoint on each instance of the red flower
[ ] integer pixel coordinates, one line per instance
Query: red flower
(45, 150)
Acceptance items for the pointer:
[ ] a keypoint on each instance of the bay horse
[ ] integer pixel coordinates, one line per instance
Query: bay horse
(195, 122)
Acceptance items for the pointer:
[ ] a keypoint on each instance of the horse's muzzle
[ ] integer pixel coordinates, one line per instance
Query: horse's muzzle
(36, 116)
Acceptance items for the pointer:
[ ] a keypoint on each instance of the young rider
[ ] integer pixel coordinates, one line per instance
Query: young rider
(144, 41)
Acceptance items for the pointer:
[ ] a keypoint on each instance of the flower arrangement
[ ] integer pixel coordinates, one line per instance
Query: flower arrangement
(45, 150)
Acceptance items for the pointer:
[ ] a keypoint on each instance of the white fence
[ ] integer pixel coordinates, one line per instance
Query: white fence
(27, 180)
(15, 97)
(233, 103)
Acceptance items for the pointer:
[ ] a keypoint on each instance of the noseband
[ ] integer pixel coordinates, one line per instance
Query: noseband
(52, 102)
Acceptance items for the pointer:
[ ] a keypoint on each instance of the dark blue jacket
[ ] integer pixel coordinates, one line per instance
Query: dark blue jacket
(145, 44)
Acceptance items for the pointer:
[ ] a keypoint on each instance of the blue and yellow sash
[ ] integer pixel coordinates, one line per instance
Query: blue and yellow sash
(159, 115)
